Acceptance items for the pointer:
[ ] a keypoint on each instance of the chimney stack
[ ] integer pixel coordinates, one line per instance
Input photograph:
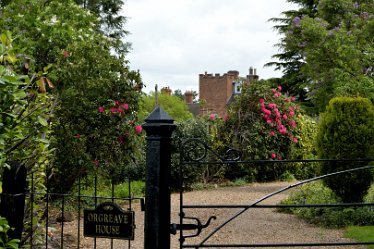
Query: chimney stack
(188, 96)
(166, 90)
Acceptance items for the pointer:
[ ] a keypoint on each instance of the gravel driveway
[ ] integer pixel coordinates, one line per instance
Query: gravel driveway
(255, 226)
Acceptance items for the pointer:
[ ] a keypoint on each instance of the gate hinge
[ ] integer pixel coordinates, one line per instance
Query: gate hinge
(197, 226)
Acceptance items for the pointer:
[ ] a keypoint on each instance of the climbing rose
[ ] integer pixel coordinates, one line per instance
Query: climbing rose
(138, 129)
(114, 110)
(125, 106)
(101, 109)
(273, 155)
(212, 116)
(66, 54)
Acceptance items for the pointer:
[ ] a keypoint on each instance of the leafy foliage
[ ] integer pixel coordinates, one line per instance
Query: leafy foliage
(5, 242)
(62, 39)
(318, 193)
(24, 112)
(327, 49)
(172, 104)
(346, 131)
(291, 59)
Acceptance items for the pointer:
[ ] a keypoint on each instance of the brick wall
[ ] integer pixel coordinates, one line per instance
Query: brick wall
(215, 91)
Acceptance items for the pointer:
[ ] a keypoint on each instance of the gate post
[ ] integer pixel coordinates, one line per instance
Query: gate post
(159, 128)
(12, 203)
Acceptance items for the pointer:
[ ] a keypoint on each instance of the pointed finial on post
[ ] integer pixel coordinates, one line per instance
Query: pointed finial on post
(156, 95)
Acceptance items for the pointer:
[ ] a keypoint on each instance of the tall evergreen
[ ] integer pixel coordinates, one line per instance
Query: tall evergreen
(290, 60)
(112, 21)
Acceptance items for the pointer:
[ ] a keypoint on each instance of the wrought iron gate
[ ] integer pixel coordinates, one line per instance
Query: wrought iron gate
(197, 233)
(53, 219)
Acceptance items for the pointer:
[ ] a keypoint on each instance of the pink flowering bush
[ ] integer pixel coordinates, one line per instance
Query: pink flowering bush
(279, 120)
(264, 123)
(120, 142)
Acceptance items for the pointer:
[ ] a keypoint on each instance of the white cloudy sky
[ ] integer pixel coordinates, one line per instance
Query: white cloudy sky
(173, 41)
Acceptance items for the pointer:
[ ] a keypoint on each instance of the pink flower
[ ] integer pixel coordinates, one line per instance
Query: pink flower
(293, 98)
(66, 54)
(282, 130)
(291, 113)
(101, 109)
(291, 108)
(284, 116)
(116, 102)
(125, 106)
(273, 155)
(266, 111)
(212, 116)
(295, 140)
(292, 123)
(138, 129)
(262, 100)
(279, 88)
(273, 90)
(272, 105)
(272, 133)
(114, 110)
(279, 157)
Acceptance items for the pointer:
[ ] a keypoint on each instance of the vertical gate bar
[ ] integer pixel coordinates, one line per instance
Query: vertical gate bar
(95, 196)
(130, 201)
(181, 212)
(79, 210)
(111, 240)
(47, 208)
(62, 221)
(32, 210)
(159, 128)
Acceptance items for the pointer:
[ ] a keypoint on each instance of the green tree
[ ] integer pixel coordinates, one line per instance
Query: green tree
(62, 39)
(24, 113)
(111, 21)
(291, 60)
(178, 93)
(333, 45)
(346, 131)
(173, 105)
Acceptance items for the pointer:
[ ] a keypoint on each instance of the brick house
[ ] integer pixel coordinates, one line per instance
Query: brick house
(217, 91)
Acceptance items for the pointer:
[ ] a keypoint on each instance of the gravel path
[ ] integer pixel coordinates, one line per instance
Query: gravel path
(255, 226)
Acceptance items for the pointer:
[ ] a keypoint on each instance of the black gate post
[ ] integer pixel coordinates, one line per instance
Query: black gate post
(159, 128)
(13, 198)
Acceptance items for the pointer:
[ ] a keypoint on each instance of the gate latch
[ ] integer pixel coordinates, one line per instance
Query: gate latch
(197, 226)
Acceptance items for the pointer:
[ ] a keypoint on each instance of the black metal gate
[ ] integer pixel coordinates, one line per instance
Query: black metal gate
(197, 233)
(53, 219)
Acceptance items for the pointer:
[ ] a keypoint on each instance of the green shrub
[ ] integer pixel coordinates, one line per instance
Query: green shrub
(317, 193)
(305, 149)
(346, 130)
(266, 124)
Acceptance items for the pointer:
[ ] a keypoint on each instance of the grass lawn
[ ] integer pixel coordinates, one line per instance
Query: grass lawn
(361, 234)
